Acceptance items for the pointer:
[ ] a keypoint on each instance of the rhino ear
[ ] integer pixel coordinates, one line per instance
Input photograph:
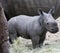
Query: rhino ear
(40, 12)
(52, 10)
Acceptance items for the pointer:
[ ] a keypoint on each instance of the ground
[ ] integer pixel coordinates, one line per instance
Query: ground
(51, 44)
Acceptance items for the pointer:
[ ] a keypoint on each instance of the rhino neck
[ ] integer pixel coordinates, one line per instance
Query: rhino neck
(41, 23)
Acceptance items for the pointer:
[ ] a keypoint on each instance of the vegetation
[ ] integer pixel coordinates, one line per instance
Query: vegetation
(20, 46)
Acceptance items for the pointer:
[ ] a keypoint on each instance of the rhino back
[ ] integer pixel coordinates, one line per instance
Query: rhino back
(24, 24)
(23, 21)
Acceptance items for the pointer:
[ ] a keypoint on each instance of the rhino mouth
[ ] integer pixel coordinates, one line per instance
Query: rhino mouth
(55, 30)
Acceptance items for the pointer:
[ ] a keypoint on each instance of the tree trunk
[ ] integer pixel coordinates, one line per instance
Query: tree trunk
(4, 44)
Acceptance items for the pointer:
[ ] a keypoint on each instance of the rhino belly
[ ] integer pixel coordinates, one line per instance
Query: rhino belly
(23, 35)
(21, 31)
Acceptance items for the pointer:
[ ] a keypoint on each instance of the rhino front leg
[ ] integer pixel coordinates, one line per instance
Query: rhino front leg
(35, 41)
(41, 41)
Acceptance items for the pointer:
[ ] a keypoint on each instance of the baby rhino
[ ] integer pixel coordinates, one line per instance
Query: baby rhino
(32, 27)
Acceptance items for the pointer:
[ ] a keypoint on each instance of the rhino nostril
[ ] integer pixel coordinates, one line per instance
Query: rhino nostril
(55, 24)
(52, 29)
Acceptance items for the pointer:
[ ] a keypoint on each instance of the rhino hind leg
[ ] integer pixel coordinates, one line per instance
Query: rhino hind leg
(12, 37)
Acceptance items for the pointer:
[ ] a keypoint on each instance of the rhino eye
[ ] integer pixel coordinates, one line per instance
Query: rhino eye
(47, 23)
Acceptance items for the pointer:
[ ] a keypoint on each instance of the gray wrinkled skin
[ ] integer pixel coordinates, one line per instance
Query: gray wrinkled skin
(33, 28)
(29, 7)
